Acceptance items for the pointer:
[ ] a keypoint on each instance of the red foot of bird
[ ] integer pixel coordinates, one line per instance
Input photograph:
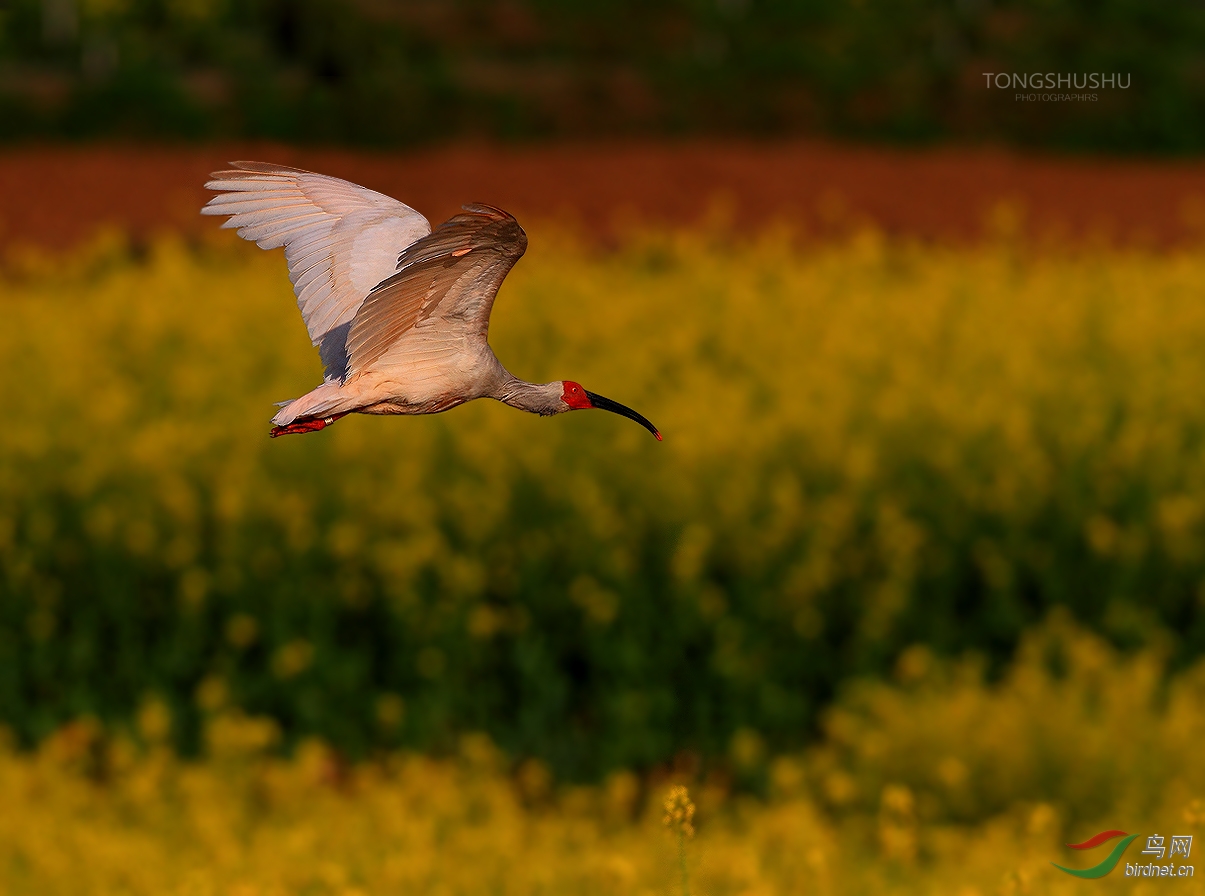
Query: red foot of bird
(301, 426)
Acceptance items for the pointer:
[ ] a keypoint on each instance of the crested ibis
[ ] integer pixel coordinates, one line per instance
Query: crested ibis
(400, 313)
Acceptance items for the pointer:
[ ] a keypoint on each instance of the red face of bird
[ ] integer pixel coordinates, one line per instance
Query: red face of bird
(578, 399)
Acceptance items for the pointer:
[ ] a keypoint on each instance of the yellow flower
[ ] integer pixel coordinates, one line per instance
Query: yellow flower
(679, 811)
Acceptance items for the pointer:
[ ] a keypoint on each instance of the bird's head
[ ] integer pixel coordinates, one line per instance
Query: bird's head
(576, 398)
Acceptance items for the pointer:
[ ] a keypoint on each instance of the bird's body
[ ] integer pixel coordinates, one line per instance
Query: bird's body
(400, 312)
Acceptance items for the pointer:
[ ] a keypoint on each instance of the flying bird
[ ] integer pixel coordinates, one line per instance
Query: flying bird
(400, 313)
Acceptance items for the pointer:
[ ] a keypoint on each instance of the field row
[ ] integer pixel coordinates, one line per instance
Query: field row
(933, 783)
(58, 196)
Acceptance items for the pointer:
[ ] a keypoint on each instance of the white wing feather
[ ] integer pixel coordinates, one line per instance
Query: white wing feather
(340, 240)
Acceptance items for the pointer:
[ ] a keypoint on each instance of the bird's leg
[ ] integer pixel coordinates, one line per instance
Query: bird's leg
(300, 426)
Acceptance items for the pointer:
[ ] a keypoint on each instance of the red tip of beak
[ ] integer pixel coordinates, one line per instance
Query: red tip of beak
(658, 435)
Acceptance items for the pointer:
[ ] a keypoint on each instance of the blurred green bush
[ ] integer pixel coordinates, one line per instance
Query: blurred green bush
(393, 73)
(867, 447)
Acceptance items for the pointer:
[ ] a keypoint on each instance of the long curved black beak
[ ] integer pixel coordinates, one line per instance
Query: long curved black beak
(606, 404)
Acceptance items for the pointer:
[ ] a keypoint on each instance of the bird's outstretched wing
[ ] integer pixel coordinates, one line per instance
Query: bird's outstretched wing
(448, 278)
(340, 240)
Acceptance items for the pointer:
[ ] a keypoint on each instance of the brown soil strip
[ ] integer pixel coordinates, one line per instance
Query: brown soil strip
(56, 196)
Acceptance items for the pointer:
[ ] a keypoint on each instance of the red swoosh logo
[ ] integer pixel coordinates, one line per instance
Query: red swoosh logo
(1097, 840)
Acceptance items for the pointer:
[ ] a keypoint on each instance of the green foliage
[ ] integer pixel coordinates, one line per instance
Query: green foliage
(866, 447)
(395, 73)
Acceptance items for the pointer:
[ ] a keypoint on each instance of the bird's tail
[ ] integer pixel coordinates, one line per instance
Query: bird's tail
(324, 401)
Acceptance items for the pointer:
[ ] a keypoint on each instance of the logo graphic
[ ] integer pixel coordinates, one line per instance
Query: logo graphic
(1181, 845)
(1110, 861)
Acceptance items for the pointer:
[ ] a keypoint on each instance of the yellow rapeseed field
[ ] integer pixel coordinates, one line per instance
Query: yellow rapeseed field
(1017, 382)
(878, 456)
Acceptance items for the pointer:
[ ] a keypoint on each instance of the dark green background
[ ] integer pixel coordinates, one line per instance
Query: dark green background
(375, 72)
